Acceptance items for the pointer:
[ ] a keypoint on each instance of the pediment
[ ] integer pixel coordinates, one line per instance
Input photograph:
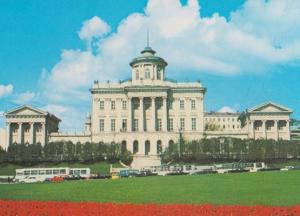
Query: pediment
(270, 107)
(26, 110)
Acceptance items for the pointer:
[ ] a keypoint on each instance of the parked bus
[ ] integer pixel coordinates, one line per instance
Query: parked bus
(41, 174)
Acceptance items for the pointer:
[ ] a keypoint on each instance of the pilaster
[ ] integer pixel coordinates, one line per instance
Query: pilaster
(165, 115)
(129, 121)
(153, 107)
(141, 120)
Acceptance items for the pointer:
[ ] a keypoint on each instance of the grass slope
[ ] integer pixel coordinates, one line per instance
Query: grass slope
(266, 188)
(100, 167)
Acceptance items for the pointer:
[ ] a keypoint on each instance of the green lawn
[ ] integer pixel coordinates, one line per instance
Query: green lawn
(267, 188)
(100, 167)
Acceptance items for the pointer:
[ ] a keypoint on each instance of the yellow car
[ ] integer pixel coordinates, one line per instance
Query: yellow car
(115, 175)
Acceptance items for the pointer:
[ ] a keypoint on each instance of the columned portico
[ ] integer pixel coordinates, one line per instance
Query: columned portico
(29, 125)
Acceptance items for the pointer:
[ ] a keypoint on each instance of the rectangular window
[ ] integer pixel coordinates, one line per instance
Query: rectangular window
(34, 172)
(113, 125)
(113, 105)
(193, 124)
(62, 171)
(124, 125)
(136, 125)
(170, 124)
(101, 105)
(159, 124)
(147, 73)
(182, 124)
(181, 102)
(27, 172)
(124, 105)
(193, 104)
(101, 124)
(48, 172)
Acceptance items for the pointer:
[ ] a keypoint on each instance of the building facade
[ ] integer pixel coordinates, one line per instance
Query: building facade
(29, 125)
(146, 114)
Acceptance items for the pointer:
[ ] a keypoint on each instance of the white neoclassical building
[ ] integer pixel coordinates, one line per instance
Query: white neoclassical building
(30, 125)
(147, 113)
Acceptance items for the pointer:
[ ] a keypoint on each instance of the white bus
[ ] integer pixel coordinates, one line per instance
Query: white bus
(41, 174)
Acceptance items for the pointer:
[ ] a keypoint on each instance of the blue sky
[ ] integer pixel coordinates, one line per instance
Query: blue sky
(244, 52)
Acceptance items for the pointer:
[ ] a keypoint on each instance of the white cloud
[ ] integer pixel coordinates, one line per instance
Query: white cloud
(93, 28)
(258, 37)
(227, 109)
(6, 90)
(25, 97)
(72, 118)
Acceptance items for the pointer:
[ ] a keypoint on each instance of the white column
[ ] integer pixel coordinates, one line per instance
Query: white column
(276, 129)
(288, 129)
(252, 129)
(20, 133)
(31, 140)
(141, 120)
(129, 120)
(153, 106)
(264, 129)
(165, 115)
(8, 135)
(43, 134)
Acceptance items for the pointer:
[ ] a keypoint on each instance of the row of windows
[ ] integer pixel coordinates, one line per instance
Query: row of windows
(147, 75)
(113, 105)
(158, 124)
(124, 105)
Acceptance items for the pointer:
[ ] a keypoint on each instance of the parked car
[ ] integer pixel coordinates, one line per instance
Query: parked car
(56, 179)
(287, 168)
(29, 179)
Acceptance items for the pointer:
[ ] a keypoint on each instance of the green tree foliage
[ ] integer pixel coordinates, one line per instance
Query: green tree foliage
(232, 149)
(56, 152)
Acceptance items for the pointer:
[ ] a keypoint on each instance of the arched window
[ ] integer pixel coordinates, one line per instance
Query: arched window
(159, 147)
(147, 147)
(123, 146)
(135, 147)
(137, 75)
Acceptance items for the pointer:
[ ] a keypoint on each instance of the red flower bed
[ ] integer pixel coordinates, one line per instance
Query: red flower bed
(9, 208)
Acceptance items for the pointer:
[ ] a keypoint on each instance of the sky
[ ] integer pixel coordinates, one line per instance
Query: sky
(245, 52)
